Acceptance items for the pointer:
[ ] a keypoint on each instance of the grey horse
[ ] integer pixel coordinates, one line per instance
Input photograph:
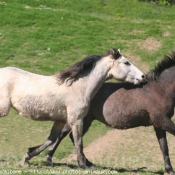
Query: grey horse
(64, 97)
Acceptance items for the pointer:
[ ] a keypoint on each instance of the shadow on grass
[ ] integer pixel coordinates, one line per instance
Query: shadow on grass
(136, 170)
(98, 167)
(2, 160)
(43, 163)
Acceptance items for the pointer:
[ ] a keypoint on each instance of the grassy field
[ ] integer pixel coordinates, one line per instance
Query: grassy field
(47, 36)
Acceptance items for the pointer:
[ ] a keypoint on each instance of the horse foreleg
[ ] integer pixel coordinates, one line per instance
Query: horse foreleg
(87, 123)
(77, 130)
(34, 151)
(54, 146)
(161, 136)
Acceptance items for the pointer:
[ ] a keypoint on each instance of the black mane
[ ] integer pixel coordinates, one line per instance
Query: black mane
(87, 63)
(78, 67)
(167, 62)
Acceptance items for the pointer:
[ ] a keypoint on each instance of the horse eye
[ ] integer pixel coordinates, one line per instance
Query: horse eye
(127, 63)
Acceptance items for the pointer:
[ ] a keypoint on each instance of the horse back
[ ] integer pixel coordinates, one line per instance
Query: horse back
(34, 96)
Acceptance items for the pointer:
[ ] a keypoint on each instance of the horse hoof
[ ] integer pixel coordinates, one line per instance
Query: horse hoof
(49, 161)
(89, 164)
(172, 173)
(24, 160)
(82, 166)
(23, 164)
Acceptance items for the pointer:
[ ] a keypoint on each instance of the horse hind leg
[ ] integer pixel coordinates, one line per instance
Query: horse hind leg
(62, 135)
(87, 123)
(54, 146)
(34, 151)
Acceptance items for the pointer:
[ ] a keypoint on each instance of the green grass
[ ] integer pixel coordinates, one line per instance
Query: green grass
(47, 36)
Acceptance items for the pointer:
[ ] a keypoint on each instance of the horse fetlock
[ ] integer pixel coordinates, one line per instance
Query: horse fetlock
(170, 171)
(49, 160)
(83, 162)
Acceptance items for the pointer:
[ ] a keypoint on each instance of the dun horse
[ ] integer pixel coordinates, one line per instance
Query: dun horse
(124, 106)
(64, 97)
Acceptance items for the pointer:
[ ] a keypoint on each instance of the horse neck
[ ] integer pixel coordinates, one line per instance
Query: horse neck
(167, 82)
(96, 78)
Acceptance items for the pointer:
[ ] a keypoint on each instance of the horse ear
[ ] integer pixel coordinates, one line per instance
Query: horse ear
(112, 52)
(115, 53)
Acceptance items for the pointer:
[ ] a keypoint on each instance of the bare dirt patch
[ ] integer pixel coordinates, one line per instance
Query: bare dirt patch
(166, 34)
(150, 44)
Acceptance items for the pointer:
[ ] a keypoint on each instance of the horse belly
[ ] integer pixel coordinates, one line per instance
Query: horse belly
(132, 120)
(41, 109)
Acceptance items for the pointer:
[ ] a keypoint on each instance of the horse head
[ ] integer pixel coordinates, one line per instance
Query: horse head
(122, 69)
